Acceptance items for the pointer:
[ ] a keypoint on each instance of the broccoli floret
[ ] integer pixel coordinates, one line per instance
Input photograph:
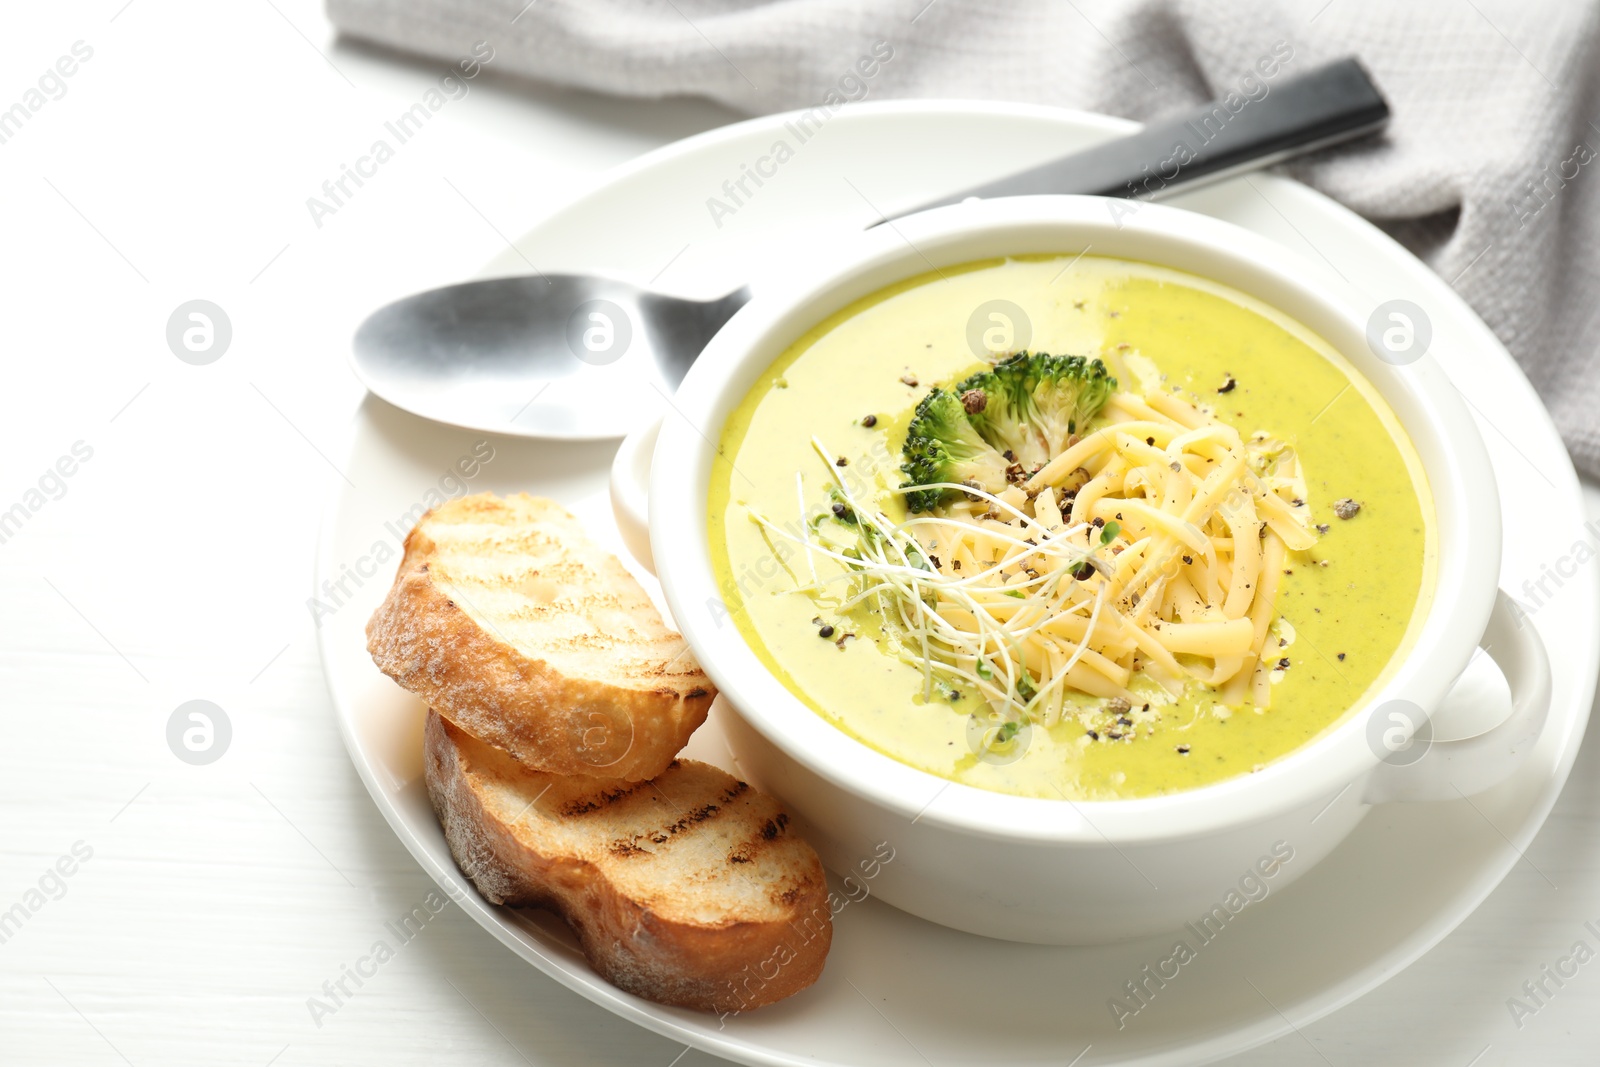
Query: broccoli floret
(1030, 405)
(1000, 423)
(999, 404)
(1068, 393)
(943, 446)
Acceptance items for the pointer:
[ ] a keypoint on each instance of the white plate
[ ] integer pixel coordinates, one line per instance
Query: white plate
(898, 990)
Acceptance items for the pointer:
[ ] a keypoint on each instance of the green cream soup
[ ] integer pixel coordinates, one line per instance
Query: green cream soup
(1347, 606)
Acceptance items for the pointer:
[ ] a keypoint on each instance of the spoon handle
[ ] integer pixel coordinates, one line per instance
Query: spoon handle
(1258, 124)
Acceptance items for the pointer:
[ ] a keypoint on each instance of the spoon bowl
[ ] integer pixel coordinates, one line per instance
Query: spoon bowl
(551, 355)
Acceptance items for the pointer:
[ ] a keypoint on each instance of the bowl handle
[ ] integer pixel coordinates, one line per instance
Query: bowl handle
(630, 491)
(1450, 770)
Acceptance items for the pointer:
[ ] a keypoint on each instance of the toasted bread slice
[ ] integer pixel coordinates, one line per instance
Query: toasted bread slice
(516, 627)
(687, 890)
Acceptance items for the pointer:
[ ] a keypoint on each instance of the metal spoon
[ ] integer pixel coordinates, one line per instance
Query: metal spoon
(598, 355)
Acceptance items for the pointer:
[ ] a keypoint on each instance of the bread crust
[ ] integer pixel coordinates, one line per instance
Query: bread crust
(626, 866)
(629, 726)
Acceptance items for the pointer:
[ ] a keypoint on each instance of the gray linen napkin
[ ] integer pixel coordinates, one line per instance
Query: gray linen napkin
(1487, 172)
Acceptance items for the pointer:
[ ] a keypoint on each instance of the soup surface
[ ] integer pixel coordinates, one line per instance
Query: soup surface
(1346, 606)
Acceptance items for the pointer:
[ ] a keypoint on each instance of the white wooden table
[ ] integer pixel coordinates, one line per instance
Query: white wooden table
(154, 911)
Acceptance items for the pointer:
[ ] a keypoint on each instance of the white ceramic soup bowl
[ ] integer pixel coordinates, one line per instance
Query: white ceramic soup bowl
(1053, 871)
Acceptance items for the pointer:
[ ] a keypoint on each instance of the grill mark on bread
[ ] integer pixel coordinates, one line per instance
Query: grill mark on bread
(698, 815)
(663, 834)
(595, 801)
